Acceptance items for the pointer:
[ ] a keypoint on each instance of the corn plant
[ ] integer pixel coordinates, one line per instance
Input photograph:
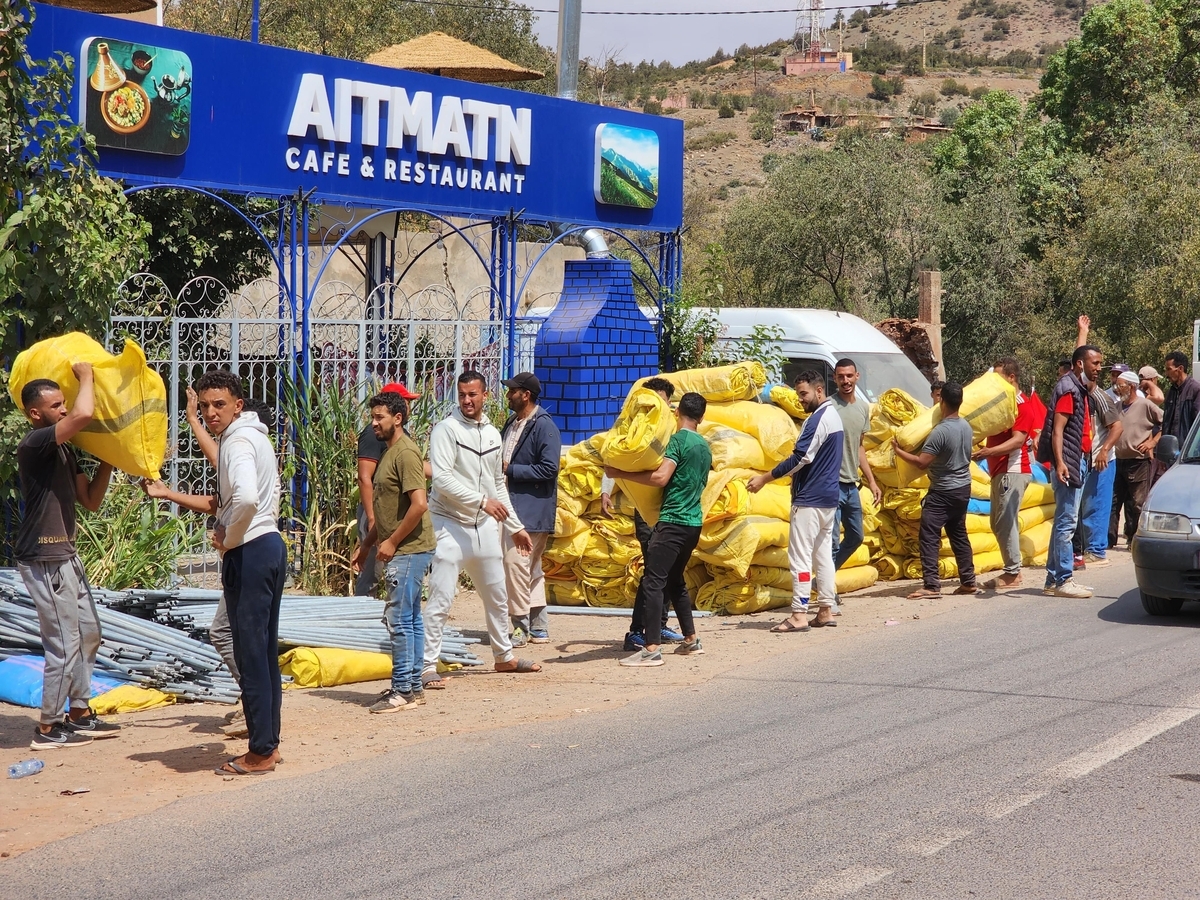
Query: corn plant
(129, 543)
(320, 488)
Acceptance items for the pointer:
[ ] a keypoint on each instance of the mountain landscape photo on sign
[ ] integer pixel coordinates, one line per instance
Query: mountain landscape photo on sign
(626, 166)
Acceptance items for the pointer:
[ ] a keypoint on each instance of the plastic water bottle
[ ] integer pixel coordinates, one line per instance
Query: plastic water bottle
(25, 767)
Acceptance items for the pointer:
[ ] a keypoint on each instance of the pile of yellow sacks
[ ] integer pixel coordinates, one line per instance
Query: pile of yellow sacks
(989, 404)
(740, 565)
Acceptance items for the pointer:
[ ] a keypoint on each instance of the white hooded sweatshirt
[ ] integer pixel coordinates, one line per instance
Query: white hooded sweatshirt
(247, 482)
(466, 459)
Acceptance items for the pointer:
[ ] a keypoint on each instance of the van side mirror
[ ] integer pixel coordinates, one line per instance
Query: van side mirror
(1167, 450)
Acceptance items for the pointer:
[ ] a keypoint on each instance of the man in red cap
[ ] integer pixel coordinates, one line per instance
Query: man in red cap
(370, 452)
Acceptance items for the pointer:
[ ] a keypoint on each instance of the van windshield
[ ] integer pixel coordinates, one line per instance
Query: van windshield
(880, 371)
(1190, 452)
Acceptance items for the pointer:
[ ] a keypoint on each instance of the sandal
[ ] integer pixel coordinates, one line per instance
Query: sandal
(832, 623)
(922, 593)
(966, 589)
(786, 627)
(233, 767)
(522, 667)
(434, 682)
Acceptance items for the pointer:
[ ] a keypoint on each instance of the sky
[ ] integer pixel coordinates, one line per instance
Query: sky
(675, 38)
(634, 144)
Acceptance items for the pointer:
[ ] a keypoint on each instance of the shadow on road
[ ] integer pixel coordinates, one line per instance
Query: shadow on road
(186, 759)
(1127, 610)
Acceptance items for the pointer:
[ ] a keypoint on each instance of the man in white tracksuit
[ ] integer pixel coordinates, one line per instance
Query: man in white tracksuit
(469, 505)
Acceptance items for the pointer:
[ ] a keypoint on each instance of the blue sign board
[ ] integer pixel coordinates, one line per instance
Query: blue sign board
(231, 115)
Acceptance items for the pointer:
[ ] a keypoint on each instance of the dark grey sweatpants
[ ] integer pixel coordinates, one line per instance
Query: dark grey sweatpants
(70, 628)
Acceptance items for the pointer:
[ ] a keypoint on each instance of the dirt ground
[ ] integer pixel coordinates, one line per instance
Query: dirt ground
(165, 754)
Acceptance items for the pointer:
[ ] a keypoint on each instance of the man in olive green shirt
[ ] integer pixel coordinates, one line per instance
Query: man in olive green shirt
(404, 532)
(683, 475)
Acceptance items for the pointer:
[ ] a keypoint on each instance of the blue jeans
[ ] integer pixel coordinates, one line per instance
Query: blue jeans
(1096, 508)
(1060, 560)
(849, 516)
(404, 575)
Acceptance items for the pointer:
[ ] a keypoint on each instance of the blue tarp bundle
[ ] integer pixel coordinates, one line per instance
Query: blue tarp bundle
(21, 681)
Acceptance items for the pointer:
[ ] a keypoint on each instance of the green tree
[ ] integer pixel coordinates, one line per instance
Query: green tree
(354, 29)
(1094, 86)
(67, 236)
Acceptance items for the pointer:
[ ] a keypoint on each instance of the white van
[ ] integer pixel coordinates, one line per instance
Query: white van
(817, 338)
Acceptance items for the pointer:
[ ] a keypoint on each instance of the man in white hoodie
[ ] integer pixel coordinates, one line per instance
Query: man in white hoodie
(253, 557)
(469, 505)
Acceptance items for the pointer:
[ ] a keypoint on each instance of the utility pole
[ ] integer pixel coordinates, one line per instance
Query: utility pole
(923, 38)
(570, 16)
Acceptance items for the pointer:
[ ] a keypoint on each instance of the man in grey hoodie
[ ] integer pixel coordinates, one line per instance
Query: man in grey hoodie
(253, 557)
(469, 505)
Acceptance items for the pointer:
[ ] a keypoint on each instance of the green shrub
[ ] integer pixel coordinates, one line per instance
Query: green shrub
(725, 112)
(710, 141)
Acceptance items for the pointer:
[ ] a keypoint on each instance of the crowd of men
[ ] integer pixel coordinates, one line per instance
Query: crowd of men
(484, 502)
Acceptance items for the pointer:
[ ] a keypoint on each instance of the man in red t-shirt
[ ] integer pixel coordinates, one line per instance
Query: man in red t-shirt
(1008, 459)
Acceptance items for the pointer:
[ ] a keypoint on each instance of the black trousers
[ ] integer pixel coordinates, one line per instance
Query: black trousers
(643, 532)
(1130, 488)
(946, 509)
(667, 556)
(252, 576)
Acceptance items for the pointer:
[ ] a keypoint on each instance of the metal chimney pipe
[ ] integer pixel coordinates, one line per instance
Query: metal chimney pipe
(570, 16)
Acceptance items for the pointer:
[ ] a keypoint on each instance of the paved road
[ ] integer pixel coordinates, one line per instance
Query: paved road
(1020, 747)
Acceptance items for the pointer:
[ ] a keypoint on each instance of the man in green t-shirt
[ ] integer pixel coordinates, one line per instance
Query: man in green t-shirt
(683, 475)
(405, 548)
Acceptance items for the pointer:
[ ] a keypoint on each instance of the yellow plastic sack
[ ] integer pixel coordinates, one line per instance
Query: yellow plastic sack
(981, 542)
(565, 593)
(771, 557)
(328, 666)
(984, 562)
(890, 566)
(977, 524)
(730, 543)
(732, 449)
(571, 535)
(1035, 543)
(1037, 494)
(724, 497)
(788, 400)
(740, 597)
(860, 557)
(771, 532)
(129, 428)
(774, 501)
(989, 406)
(740, 381)
(1035, 515)
(638, 439)
(774, 429)
(129, 698)
(856, 578)
(695, 576)
(646, 499)
(770, 577)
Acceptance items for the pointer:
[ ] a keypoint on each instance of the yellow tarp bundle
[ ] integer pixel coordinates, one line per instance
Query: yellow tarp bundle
(740, 597)
(1035, 542)
(639, 437)
(894, 409)
(565, 593)
(571, 535)
(129, 428)
(984, 562)
(770, 577)
(1035, 515)
(856, 578)
(771, 557)
(788, 400)
(725, 497)
(327, 666)
(774, 429)
(129, 698)
(730, 544)
(732, 449)
(740, 381)
(647, 499)
(860, 557)
(774, 501)
(771, 532)
(981, 542)
(1037, 494)
(977, 524)
(695, 576)
(890, 566)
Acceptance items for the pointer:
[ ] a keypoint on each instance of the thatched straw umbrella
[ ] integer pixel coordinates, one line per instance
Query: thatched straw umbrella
(108, 7)
(440, 54)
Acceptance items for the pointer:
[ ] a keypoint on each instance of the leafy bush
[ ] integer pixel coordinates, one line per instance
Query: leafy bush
(884, 89)
(952, 88)
(770, 162)
(710, 141)
(652, 107)
(725, 112)
(129, 543)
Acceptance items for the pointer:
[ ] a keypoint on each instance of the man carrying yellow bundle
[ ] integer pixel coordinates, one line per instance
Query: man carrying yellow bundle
(51, 485)
(947, 456)
(814, 465)
(682, 474)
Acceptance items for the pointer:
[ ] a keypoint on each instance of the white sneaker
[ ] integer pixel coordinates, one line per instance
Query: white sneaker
(1072, 590)
(1096, 562)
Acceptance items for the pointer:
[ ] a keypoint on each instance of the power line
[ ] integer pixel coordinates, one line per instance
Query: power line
(791, 11)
